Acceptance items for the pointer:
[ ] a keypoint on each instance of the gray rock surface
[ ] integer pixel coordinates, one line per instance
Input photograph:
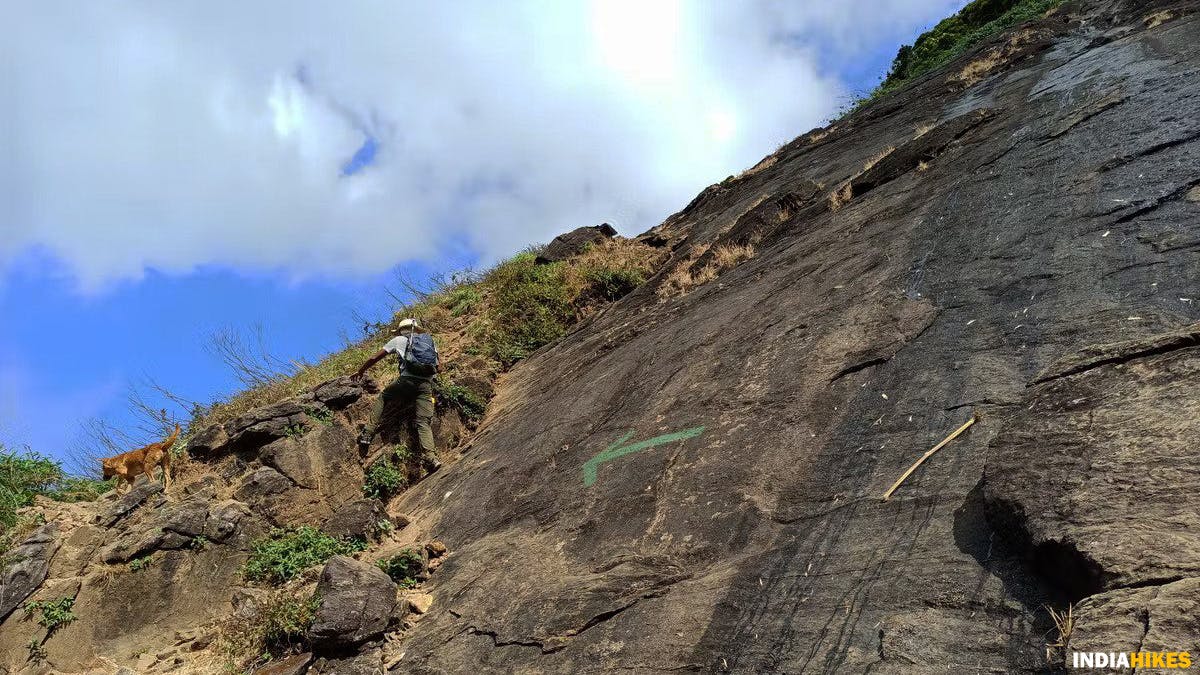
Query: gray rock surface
(901, 282)
(357, 601)
(357, 519)
(25, 567)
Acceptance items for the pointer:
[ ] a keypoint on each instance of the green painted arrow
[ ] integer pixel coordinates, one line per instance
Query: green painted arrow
(617, 450)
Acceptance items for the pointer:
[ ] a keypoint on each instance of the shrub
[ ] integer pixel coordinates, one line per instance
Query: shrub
(139, 564)
(403, 567)
(460, 398)
(386, 476)
(278, 627)
(25, 475)
(953, 36)
(54, 613)
(286, 552)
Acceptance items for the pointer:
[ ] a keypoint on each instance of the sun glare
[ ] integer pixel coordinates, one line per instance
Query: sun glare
(638, 39)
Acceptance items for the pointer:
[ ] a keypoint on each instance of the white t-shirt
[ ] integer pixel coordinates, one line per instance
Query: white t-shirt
(398, 345)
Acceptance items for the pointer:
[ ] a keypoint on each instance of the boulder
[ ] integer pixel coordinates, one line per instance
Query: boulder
(356, 519)
(576, 241)
(261, 484)
(231, 521)
(419, 603)
(27, 567)
(356, 601)
(296, 664)
(338, 392)
(173, 527)
(129, 501)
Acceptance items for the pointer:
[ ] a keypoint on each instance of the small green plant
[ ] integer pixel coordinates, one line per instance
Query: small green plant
(286, 552)
(295, 430)
(321, 416)
(139, 564)
(403, 567)
(278, 627)
(382, 528)
(386, 476)
(460, 398)
(37, 652)
(54, 613)
(199, 542)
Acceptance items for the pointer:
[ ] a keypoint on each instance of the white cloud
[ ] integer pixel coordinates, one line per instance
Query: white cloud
(171, 135)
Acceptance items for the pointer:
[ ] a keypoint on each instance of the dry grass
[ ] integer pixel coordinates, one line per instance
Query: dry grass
(922, 165)
(1158, 18)
(1064, 623)
(924, 129)
(995, 57)
(682, 279)
(878, 158)
(1193, 195)
(765, 163)
(841, 196)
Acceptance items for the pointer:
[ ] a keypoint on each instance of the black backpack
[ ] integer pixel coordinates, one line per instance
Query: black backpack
(420, 356)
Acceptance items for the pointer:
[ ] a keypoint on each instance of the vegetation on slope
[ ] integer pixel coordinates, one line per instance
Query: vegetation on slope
(976, 22)
(286, 552)
(500, 316)
(25, 475)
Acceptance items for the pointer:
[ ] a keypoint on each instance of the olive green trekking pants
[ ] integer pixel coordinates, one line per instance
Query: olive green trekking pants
(412, 400)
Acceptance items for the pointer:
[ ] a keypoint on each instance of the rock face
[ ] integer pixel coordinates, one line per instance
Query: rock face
(26, 566)
(575, 242)
(691, 479)
(357, 601)
(936, 254)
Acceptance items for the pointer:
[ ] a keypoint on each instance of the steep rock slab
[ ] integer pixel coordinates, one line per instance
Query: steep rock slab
(857, 338)
(1097, 473)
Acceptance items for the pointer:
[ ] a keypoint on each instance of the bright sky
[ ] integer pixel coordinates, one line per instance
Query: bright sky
(167, 169)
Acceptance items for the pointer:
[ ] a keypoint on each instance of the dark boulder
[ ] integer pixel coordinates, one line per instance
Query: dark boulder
(129, 501)
(357, 600)
(26, 567)
(571, 244)
(358, 519)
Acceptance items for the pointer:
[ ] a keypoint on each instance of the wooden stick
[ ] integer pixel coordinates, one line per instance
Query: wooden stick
(887, 495)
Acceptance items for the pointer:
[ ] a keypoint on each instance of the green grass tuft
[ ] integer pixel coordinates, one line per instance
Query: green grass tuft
(286, 552)
(403, 567)
(54, 613)
(386, 477)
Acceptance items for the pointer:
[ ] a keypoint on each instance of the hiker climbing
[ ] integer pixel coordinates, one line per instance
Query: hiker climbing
(412, 392)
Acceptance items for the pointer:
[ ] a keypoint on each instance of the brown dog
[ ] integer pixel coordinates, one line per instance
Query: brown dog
(128, 465)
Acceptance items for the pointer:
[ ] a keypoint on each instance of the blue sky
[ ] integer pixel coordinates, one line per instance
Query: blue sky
(170, 169)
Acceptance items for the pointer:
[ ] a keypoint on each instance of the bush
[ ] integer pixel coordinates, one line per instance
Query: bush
(54, 613)
(386, 477)
(278, 627)
(403, 567)
(25, 475)
(286, 552)
(953, 36)
(460, 398)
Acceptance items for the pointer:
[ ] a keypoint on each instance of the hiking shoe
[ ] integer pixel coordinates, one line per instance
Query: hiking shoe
(431, 465)
(364, 438)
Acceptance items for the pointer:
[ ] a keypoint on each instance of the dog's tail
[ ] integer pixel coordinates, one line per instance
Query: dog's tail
(170, 440)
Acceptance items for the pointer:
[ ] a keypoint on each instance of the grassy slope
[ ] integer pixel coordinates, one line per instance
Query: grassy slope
(491, 319)
(953, 36)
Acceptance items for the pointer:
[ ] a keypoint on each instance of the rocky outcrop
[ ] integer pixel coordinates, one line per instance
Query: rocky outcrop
(1091, 473)
(571, 244)
(357, 601)
(25, 567)
(260, 426)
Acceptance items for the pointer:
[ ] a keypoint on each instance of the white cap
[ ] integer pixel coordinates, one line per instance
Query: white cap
(408, 323)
